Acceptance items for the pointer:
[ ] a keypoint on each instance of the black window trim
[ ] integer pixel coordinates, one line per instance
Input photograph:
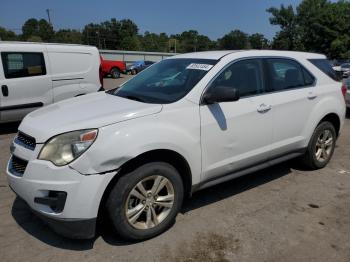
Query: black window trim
(338, 78)
(264, 76)
(22, 52)
(302, 67)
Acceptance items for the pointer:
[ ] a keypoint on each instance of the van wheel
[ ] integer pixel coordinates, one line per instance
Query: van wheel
(145, 202)
(321, 146)
(115, 73)
(133, 72)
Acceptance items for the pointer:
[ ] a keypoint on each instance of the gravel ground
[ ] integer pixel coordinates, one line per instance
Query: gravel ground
(282, 213)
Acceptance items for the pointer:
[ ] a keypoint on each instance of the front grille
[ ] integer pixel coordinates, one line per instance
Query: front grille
(17, 166)
(25, 140)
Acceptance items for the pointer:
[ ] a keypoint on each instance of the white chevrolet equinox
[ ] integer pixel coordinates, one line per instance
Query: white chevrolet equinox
(188, 122)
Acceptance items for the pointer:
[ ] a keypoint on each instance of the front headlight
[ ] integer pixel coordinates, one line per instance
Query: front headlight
(63, 149)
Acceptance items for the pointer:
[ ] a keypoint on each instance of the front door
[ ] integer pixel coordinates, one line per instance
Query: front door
(236, 135)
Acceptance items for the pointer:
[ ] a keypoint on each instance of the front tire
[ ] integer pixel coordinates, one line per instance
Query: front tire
(145, 202)
(321, 146)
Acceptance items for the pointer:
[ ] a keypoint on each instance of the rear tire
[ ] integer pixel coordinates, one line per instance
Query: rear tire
(321, 146)
(115, 73)
(137, 209)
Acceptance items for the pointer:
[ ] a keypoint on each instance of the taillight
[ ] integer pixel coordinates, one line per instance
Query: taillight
(343, 90)
(101, 75)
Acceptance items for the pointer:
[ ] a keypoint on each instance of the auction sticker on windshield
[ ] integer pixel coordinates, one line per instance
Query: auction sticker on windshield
(204, 67)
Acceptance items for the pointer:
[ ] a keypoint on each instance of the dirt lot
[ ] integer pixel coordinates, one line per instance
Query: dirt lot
(282, 213)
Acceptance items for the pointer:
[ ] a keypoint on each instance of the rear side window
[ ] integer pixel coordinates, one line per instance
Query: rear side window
(18, 64)
(325, 67)
(243, 75)
(287, 74)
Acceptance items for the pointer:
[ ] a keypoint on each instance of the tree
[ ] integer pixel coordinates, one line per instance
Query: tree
(192, 41)
(286, 19)
(153, 42)
(317, 26)
(234, 40)
(45, 30)
(34, 38)
(33, 27)
(258, 41)
(68, 36)
(112, 34)
(30, 28)
(323, 22)
(7, 35)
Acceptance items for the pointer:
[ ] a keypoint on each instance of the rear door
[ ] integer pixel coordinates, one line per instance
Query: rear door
(25, 84)
(293, 93)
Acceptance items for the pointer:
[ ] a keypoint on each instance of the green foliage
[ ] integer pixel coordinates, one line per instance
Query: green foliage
(234, 40)
(7, 35)
(34, 38)
(316, 25)
(124, 35)
(285, 17)
(258, 41)
(68, 36)
(39, 28)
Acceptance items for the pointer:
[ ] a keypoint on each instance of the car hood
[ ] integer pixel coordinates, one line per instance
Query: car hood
(84, 112)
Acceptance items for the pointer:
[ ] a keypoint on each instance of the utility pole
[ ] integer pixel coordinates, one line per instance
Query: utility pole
(48, 16)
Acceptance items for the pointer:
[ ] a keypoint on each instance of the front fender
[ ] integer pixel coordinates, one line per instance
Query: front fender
(116, 144)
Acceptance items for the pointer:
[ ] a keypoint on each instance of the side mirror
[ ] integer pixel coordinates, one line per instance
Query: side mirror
(221, 94)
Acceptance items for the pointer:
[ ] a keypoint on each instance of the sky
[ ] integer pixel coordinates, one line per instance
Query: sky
(213, 18)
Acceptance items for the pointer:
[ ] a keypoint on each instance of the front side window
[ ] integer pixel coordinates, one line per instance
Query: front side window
(243, 75)
(18, 64)
(165, 82)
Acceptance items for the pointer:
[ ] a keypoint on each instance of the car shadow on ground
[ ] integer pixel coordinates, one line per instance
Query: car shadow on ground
(9, 128)
(38, 229)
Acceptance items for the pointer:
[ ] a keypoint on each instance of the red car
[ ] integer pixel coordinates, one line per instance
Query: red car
(113, 68)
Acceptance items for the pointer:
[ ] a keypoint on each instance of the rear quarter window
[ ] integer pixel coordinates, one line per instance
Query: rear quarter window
(325, 67)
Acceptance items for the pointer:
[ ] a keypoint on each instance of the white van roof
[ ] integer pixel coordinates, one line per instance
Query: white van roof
(23, 44)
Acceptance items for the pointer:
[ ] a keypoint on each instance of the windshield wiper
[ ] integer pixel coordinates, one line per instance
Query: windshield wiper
(135, 98)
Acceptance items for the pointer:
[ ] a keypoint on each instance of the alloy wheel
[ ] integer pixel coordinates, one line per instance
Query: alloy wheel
(149, 202)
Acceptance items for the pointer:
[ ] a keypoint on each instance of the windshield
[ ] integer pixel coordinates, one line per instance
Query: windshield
(345, 66)
(165, 82)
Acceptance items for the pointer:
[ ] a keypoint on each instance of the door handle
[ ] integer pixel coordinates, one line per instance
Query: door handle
(264, 108)
(311, 97)
(5, 90)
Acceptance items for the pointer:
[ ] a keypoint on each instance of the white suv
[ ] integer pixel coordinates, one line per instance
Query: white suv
(183, 124)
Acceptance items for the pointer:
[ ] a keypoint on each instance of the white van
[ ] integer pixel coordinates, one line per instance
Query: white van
(33, 75)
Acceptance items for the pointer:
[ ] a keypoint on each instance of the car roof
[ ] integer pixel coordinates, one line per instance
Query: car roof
(216, 55)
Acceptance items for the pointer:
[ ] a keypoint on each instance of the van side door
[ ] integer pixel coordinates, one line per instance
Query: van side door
(26, 84)
(236, 135)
